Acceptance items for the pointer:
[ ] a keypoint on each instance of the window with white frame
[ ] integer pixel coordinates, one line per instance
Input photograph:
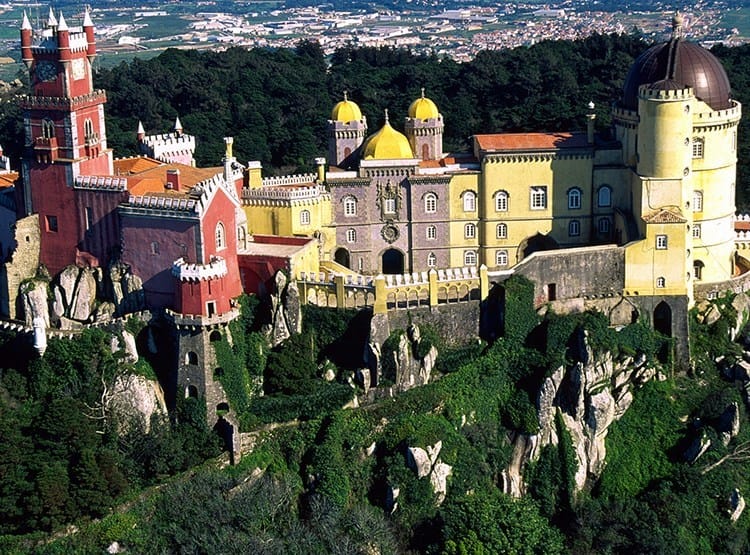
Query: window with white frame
(350, 206)
(501, 258)
(697, 147)
(538, 198)
(389, 206)
(502, 231)
(604, 226)
(501, 201)
(574, 228)
(604, 196)
(431, 260)
(470, 258)
(661, 282)
(221, 238)
(696, 231)
(430, 203)
(351, 235)
(661, 242)
(304, 217)
(574, 198)
(470, 201)
(470, 231)
(431, 232)
(697, 201)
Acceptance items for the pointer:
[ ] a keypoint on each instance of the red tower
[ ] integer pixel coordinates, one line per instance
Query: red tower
(65, 132)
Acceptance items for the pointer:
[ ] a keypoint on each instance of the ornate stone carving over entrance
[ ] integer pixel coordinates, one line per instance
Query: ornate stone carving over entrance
(390, 233)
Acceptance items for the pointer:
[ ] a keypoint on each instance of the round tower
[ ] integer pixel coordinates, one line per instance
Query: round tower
(424, 129)
(347, 130)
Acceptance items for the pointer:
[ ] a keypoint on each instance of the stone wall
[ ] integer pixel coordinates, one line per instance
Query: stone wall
(22, 266)
(457, 324)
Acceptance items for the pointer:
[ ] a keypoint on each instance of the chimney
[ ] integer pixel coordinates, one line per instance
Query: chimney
(320, 163)
(173, 180)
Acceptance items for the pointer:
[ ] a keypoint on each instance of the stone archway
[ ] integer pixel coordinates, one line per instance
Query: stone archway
(341, 256)
(393, 262)
(537, 242)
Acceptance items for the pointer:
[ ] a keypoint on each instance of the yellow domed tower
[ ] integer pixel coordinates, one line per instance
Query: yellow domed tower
(347, 130)
(678, 125)
(387, 144)
(424, 128)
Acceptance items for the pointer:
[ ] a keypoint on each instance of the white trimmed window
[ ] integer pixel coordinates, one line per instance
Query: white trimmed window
(431, 260)
(221, 241)
(350, 206)
(304, 217)
(574, 228)
(604, 226)
(574, 198)
(470, 201)
(351, 235)
(696, 231)
(470, 231)
(661, 282)
(502, 231)
(697, 147)
(470, 258)
(431, 232)
(604, 196)
(501, 201)
(430, 203)
(389, 206)
(661, 242)
(501, 258)
(697, 201)
(538, 198)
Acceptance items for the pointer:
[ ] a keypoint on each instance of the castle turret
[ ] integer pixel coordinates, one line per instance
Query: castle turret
(26, 40)
(424, 129)
(88, 29)
(347, 130)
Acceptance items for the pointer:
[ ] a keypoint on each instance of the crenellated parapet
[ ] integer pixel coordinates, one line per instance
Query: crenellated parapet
(61, 103)
(190, 272)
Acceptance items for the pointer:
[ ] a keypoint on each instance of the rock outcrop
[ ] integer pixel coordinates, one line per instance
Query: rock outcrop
(426, 462)
(406, 367)
(134, 402)
(587, 396)
(286, 311)
(35, 294)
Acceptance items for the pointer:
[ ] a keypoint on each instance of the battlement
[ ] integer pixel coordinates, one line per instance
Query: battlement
(170, 147)
(60, 103)
(177, 204)
(296, 193)
(185, 271)
(649, 92)
(101, 183)
(305, 178)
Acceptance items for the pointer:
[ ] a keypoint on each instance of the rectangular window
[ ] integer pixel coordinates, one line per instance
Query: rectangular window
(696, 231)
(697, 147)
(211, 308)
(52, 224)
(389, 206)
(470, 231)
(538, 198)
(431, 232)
(661, 242)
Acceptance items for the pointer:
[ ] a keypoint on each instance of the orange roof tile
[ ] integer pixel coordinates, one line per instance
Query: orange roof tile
(530, 141)
(740, 225)
(8, 179)
(152, 180)
(136, 164)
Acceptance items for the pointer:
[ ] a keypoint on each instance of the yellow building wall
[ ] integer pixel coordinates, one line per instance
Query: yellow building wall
(459, 243)
(644, 263)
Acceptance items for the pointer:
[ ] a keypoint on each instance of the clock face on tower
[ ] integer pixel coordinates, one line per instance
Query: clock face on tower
(46, 70)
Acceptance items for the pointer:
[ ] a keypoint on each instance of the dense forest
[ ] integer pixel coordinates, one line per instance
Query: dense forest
(321, 479)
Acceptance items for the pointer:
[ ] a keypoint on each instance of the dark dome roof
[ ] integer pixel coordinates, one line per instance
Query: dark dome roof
(682, 63)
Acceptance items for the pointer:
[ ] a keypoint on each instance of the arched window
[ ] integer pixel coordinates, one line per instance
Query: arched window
(604, 196)
(431, 260)
(696, 231)
(574, 198)
(574, 228)
(661, 282)
(191, 357)
(221, 240)
(154, 247)
(502, 231)
(88, 131)
(351, 235)
(538, 198)
(470, 258)
(304, 217)
(501, 201)
(697, 147)
(697, 201)
(604, 226)
(48, 128)
(350, 206)
(430, 203)
(470, 231)
(698, 269)
(470, 201)
(501, 258)
(242, 237)
(431, 232)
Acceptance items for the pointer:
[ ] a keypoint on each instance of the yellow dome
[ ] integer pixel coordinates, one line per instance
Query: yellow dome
(423, 108)
(346, 111)
(387, 144)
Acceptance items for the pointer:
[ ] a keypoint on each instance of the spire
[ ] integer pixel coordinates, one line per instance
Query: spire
(387, 122)
(51, 20)
(346, 96)
(141, 132)
(62, 26)
(177, 126)
(677, 22)
(422, 92)
(25, 24)
(87, 18)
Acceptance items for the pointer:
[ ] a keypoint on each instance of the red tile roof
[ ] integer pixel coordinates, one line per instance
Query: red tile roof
(530, 141)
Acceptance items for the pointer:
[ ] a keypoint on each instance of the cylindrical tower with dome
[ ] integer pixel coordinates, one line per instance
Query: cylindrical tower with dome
(347, 130)
(424, 129)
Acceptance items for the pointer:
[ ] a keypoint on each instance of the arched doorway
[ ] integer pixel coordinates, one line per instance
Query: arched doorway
(393, 262)
(536, 243)
(663, 324)
(342, 257)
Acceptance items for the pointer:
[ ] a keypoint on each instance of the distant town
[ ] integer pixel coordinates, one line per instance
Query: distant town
(456, 32)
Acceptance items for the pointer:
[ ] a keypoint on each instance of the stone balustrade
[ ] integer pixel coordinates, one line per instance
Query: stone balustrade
(185, 271)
